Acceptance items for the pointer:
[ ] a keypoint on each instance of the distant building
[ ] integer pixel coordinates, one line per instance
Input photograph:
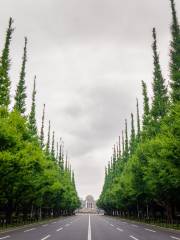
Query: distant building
(88, 205)
(90, 202)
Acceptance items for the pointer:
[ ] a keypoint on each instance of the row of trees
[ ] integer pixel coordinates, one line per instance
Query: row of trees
(143, 177)
(36, 177)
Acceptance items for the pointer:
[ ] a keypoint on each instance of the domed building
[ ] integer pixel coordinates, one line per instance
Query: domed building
(88, 205)
(90, 202)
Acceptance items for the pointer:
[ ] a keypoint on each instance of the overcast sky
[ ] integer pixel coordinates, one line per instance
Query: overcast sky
(89, 57)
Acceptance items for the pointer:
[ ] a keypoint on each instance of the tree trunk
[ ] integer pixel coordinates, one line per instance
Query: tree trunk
(32, 211)
(137, 209)
(169, 211)
(147, 211)
(40, 213)
(9, 212)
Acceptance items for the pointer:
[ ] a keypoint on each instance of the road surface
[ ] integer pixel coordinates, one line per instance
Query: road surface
(90, 227)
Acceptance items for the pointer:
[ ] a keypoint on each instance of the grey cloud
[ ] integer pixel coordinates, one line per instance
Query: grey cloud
(98, 117)
(80, 20)
(89, 57)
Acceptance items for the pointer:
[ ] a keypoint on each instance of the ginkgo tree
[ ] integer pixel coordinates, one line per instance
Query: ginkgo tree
(34, 181)
(145, 181)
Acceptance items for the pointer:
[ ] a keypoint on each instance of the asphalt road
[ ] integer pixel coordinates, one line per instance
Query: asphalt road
(90, 227)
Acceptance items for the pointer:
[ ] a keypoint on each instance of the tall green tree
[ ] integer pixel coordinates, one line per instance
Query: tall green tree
(147, 183)
(42, 128)
(73, 179)
(175, 55)
(61, 155)
(160, 98)
(146, 110)
(126, 150)
(32, 115)
(114, 157)
(20, 96)
(30, 180)
(123, 147)
(138, 120)
(48, 138)
(4, 68)
(53, 146)
(132, 139)
(66, 162)
(119, 146)
(57, 151)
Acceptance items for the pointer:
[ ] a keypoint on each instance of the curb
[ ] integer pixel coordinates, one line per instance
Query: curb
(11, 229)
(171, 230)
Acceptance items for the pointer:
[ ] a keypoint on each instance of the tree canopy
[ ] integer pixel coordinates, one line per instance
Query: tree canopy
(34, 181)
(145, 179)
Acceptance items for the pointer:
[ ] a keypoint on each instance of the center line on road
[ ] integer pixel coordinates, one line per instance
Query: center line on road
(175, 238)
(133, 237)
(89, 228)
(28, 230)
(150, 230)
(119, 229)
(48, 236)
(53, 222)
(112, 225)
(5, 237)
(59, 229)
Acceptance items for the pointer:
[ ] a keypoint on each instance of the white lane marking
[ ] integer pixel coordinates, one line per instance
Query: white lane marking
(124, 222)
(112, 225)
(59, 229)
(45, 225)
(71, 222)
(67, 225)
(5, 237)
(89, 228)
(119, 229)
(28, 230)
(175, 238)
(150, 230)
(133, 225)
(48, 236)
(133, 237)
(53, 222)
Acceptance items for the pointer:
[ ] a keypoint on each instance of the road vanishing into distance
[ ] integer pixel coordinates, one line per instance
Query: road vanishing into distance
(90, 227)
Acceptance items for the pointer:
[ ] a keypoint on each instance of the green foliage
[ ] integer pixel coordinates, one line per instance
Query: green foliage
(160, 98)
(42, 128)
(126, 146)
(48, 139)
(175, 56)
(138, 120)
(28, 175)
(20, 97)
(4, 68)
(132, 140)
(147, 180)
(52, 147)
(151, 174)
(33, 179)
(146, 110)
(32, 115)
